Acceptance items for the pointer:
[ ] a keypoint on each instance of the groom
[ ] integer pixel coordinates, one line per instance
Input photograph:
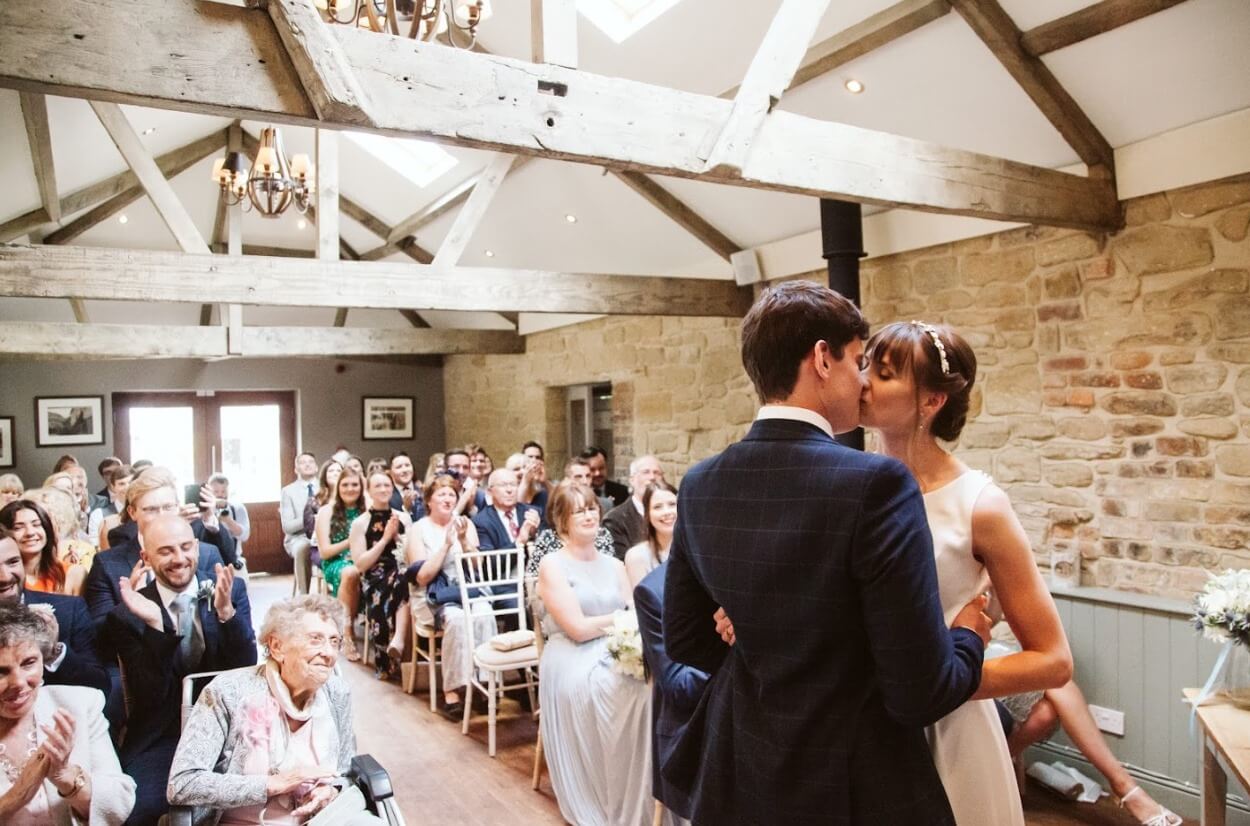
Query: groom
(822, 558)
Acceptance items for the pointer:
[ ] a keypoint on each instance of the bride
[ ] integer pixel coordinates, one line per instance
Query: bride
(920, 377)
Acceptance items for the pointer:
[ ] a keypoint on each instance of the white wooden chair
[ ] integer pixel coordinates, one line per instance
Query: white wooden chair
(494, 580)
(423, 629)
(539, 638)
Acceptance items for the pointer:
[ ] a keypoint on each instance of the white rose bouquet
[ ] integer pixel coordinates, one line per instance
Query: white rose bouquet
(625, 645)
(1222, 610)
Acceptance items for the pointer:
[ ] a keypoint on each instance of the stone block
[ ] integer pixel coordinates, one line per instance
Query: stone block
(1011, 266)
(1000, 295)
(1192, 202)
(1066, 363)
(1228, 513)
(1233, 459)
(1099, 269)
(1033, 428)
(1139, 403)
(1013, 391)
(1085, 428)
(1235, 539)
(1125, 428)
(1216, 283)
(985, 435)
(1017, 465)
(1072, 247)
(653, 408)
(889, 281)
(1068, 474)
(1063, 284)
(1234, 224)
(1149, 209)
(1232, 319)
(1238, 353)
(1195, 469)
(1094, 378)
(1081, 451)
(1120, 528)
(1196, 378)
(1146, 380)
(1153, 330)
(1131, 360)
(1180, 446)
(1208, 428)
(932, 275)
(1060, 311)
(1163, 248)
(1177, 355)
(1172, 511)
(949, 300)
(1243, 386)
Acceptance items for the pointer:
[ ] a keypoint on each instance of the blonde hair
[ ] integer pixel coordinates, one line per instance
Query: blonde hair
(60, 507)
(11, 483)
(149, 479)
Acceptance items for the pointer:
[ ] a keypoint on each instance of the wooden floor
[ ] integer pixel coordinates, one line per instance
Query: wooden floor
(441, 776)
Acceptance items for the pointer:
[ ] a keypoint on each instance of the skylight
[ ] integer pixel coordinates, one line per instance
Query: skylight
(619, 19)
(418, 161)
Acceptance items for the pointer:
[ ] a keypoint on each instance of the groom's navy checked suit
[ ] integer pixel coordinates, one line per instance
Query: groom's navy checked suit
(822, 558)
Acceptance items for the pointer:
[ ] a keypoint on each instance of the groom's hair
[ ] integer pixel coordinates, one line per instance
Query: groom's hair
(784, 325)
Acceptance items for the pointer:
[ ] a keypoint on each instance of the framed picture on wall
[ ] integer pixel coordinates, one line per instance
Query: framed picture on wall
(69, 420)
(388, 417)
(6, 441)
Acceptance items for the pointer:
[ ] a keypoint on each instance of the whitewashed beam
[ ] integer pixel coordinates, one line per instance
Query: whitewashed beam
(323, 71)
(553, 32)
(39, 137)
(327, 194)
(474, 210)
(771, 71)
(138, 341)
(679, 213)
(162, 195)
(80, 310)
(486, 101)
(142, 275)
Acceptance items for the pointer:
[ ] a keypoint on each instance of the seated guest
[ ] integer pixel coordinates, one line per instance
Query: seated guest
(117, 480)
(376, 463)
(60, 479)
(457, 461)
(203, 519)
(603, 486)
(106, 464)
(82, 496)
(355, 463)
(73, 662)
(576, 470)
(66, 770)
(30, 525)
(273, 744)
(291, 504)
(64, 463)
(595, 725)
(535, 489)
(433, 547)
(334, 524)
(435, 466)
(407, 496)
(625, 521)
(374, 537)
(549, 541)
(660, 504)
(175, 626)
(480, 467)
(231, 512)
(675, 688)
(327, 478)
(11, 488)
(74, 551)
(507, 523)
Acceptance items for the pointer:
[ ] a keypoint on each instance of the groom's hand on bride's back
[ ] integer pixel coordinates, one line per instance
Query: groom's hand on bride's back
(973, 617)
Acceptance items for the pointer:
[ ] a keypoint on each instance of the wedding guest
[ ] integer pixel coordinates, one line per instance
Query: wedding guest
(64, 463)
(272, 744)
(334, 523)
(597, 459)
(179, 624)
(374, 464)
(30, 525)
(407, 496)
(595, 723)
(11, 488)
(535, 489)
(355, 463)
(327, 478)
(533, 450)
(231, 512)
(659, 503)
(73, 660)
(82, 496)
(64, 768)
(117, 480)
(71, 549)
(433, 546)
(626, 522)
(479, 462)
(576, 470)
(507, 523)
(436, 465)
(374, 537)
(516, 464)
(202, 516)
(457, 461)
(549, 541)
(341, 454)
(291, 504)
(60, 479)
(106, 464)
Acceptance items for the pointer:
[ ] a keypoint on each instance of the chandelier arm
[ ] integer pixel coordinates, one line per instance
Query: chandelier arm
(375, 22)
(392, 17)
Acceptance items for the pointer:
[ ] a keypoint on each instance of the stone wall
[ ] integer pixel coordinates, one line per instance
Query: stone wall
(1113, 399)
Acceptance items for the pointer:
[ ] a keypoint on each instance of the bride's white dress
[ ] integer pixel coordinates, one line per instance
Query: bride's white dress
(968, 745)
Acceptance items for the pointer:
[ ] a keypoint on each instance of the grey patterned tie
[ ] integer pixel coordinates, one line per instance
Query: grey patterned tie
(183, 611)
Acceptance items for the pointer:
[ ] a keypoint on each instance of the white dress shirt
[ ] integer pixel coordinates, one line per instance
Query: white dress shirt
(796, 414)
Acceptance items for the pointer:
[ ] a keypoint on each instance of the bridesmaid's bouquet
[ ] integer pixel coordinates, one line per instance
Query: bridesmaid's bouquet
(625, 645)
(1222, 610)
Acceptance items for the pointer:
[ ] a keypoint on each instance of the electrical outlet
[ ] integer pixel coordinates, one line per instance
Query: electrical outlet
(1109, 720)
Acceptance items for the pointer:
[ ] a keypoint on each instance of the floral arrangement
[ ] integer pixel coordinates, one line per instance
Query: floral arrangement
(206, 589)
(625, 645)
(1222, 610)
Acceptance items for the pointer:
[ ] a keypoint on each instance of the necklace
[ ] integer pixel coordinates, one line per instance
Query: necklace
(11, 771)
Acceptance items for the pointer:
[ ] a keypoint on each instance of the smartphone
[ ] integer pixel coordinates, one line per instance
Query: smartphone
(191, 494)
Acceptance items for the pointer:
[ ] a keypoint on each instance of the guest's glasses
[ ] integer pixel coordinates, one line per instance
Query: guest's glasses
(321, 641)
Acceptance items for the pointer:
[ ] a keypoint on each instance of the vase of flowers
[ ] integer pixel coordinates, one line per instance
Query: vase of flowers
(625, 645)
(1222, 614)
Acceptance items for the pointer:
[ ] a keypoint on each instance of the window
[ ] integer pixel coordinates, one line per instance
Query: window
(619, 19)
(418, 161)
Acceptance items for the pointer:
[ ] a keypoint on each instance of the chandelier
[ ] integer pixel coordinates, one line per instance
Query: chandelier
(272, 183)
(458, 19)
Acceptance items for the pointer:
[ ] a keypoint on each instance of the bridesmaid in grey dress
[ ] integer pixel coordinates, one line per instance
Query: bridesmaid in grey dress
(595, 722)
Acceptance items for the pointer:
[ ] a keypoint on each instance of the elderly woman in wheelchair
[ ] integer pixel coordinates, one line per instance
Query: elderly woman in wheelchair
(273, 743)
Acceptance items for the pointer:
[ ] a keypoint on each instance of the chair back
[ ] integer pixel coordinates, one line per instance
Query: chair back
(492, 584)
(535, 607)
(193, 684)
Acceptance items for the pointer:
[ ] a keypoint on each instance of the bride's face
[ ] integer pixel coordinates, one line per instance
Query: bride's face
(890, 402)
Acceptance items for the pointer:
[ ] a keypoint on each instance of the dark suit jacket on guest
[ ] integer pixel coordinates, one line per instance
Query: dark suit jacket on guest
(75, 630)
(615, 491)
(675, 688)
(627, 527)
(822, 558)
(223, 541)
(492, 533)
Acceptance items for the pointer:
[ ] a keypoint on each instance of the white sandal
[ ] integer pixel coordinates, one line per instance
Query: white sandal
(1165, 816)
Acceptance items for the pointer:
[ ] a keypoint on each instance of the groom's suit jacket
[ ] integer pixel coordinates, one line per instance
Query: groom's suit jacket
(822, 558)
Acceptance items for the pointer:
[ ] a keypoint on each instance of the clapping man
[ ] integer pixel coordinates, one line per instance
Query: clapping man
(178, 624)
(294, 498)
(507, 523)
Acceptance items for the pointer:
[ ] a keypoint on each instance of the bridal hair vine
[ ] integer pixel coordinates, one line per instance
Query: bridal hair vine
(937, 342)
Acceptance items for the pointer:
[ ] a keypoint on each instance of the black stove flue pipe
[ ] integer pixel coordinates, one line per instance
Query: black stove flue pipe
(842, 242)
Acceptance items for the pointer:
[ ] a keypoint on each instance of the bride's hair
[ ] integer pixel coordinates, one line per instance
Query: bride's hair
(938, 360)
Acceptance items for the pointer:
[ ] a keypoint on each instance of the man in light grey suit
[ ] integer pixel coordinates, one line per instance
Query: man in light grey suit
(295, 497)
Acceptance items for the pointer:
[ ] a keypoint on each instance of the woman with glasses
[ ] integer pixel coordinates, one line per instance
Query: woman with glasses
(273, 743)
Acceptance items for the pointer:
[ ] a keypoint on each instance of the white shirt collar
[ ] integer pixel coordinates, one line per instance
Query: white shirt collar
(637, 505)
(168, 595)
(796, 414)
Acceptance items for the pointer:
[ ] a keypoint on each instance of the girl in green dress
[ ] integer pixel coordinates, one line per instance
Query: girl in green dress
(334, 521)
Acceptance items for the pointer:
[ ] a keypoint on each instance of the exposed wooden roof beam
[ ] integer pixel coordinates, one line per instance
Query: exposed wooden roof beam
(39, 137)
(130, 341)
(133, 275)
(487, 101)
(553, 32)
(1088, 22)
(414, 319)
(322, 68)
(470, 216)
(999, 32)
(679, 213)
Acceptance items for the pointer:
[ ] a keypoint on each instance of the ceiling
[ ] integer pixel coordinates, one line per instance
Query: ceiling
(1187, 64)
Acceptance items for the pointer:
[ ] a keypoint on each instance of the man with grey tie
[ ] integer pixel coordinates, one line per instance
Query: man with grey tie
(295, 497)
(178, 624)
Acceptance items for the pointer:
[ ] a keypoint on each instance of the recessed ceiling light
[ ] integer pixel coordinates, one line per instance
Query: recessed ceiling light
(302, 224)
(121, 219)
(571, 218)
(490, 254)
(149, 130)
(854, 86)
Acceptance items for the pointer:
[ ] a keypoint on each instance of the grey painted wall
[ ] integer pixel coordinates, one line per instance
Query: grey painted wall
(329, 406)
